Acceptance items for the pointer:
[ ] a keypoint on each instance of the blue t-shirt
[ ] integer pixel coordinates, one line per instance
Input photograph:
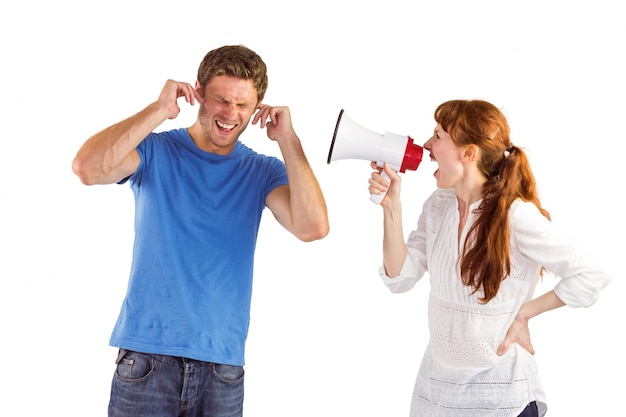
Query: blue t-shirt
(197, 217)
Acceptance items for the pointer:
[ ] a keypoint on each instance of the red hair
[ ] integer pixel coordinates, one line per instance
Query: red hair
(485, 260)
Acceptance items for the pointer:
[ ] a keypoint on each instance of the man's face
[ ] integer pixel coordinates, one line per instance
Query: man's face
(229, 103)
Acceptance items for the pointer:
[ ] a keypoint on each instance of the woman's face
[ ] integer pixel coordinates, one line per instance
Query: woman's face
(448, 156)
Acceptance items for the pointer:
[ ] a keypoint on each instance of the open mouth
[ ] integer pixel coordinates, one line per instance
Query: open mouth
(224, 127)
(433, 159)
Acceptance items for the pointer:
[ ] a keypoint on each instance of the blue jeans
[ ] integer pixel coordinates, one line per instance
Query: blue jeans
(168, 386)
(530, 410)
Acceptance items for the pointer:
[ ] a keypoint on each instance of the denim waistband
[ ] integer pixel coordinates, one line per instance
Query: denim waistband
(169, 359)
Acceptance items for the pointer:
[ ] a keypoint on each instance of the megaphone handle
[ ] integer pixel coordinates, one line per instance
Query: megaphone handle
(377, 198)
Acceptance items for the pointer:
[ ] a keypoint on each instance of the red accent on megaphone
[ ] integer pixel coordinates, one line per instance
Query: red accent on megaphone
(412, 156)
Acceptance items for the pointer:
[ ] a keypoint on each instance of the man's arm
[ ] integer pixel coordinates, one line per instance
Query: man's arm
(300, 207)
(110, 155)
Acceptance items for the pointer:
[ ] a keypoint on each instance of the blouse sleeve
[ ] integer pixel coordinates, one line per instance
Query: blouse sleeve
(540, 240)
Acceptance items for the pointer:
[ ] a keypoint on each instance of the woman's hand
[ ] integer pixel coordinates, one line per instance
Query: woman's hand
(379, 183)
(518, 333)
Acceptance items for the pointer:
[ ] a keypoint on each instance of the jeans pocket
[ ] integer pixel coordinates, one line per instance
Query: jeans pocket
(228, 373)
(134, 366)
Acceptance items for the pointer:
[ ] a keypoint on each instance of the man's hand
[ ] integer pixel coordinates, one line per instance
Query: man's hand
(172, 91)
(276, 119)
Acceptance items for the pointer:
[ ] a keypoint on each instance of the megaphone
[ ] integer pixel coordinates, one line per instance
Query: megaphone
(352, 141)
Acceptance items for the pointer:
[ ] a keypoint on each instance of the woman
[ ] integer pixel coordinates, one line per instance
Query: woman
(485, 240)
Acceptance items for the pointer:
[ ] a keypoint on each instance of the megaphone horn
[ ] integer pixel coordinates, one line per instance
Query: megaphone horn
(352, 141)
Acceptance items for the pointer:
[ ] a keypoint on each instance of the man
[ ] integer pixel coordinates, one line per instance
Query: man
(199, 194)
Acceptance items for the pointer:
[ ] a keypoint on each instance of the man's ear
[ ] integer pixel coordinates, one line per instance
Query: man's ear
(199, 89)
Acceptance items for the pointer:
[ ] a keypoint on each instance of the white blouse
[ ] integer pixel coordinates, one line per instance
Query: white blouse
(460, 374)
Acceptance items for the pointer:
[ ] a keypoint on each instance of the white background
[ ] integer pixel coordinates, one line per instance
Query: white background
(326, 338)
